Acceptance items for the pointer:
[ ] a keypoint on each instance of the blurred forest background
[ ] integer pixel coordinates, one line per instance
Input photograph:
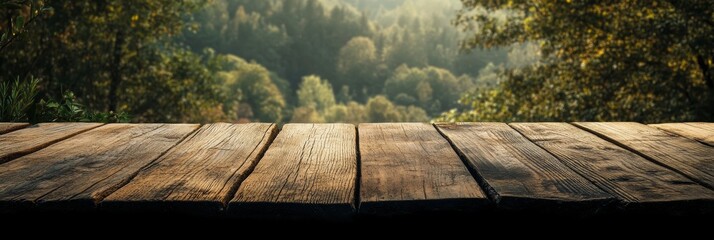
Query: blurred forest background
(356, 60)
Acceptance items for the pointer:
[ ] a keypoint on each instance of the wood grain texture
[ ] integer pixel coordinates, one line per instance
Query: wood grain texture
(200, 174)
(702, 132)
(309, 171)
(18, 143)
(636, 181)
(409, 168)
(684, 155)
(517, 173)
(709, 126)
(9, 127)
(80, 171)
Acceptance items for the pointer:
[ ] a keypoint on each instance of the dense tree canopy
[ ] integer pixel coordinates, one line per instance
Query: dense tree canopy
(358, 67)
(354, 47)
(113, 55)
(600, 60)
(251, 92)
(315, 93)
(425, 88)
(293, 38)
(317, 104)
(238, 60)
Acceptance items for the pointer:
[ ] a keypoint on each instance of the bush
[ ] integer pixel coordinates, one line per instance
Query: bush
(16, 99)
(17, 104)
(69, 110)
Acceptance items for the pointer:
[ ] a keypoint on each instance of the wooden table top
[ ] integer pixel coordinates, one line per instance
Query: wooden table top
(342, 171)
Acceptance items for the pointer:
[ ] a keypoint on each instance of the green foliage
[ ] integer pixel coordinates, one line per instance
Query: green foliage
(293, 38)
(356, 51)
(251, 83)
(16, 16)
(113, 54)
(352, 112)
(358, 67)
(315, 93)
(69, 110)
(402, 51)
(412, 114)
(16, 99)
(17, 104)
(183, 61)
(380, 109)
(317, 105)
(306, 115)
(339, 113)
(358, 113)
(430, 88)
(179, 86)
(630, 60)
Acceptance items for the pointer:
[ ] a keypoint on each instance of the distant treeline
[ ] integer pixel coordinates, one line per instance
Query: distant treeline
(407, 52)
(248, 60)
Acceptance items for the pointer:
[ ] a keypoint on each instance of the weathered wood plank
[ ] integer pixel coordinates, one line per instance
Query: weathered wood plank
(9, 127)
(82, 170)
(702, 132)
(684, 155)
(200, 174)
(33, 138)
(410, 168)
(309, 171)
(517, 173)
(636, 181)
(709, 126)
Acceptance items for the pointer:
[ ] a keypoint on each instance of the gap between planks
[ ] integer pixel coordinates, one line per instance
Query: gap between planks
(694, 159)
(9, 127)
(639, 184)
(490, 194)
(309, 171)
(30, 139)
(190, 134)
(409, 168)
(517, 173)
(77, 173)
(357, 199)
(358, 178)
(200, 174)
(699, 131)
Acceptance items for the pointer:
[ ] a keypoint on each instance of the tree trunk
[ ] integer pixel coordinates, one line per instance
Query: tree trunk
(709, 80)
(706, 71)
(116, 70)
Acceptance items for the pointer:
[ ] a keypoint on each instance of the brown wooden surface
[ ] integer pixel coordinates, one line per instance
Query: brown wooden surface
(309, 170)
(9, 127)
(33, 138)
(702, 132)
(518, 173)
(84, 169)
(200, 174)
(337, 171)
(709, 126)
(684, 155)
(410, 168)
(636, 181)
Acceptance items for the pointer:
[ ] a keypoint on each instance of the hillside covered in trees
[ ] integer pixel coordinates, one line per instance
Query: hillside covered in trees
(355, 60)
(249, 60)
(345, 61)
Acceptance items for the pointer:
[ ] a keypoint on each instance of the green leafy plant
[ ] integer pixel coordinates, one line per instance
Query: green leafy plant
(627, 60)
(16, 99)
(20, 14)
(17, 104)
(69, 110)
